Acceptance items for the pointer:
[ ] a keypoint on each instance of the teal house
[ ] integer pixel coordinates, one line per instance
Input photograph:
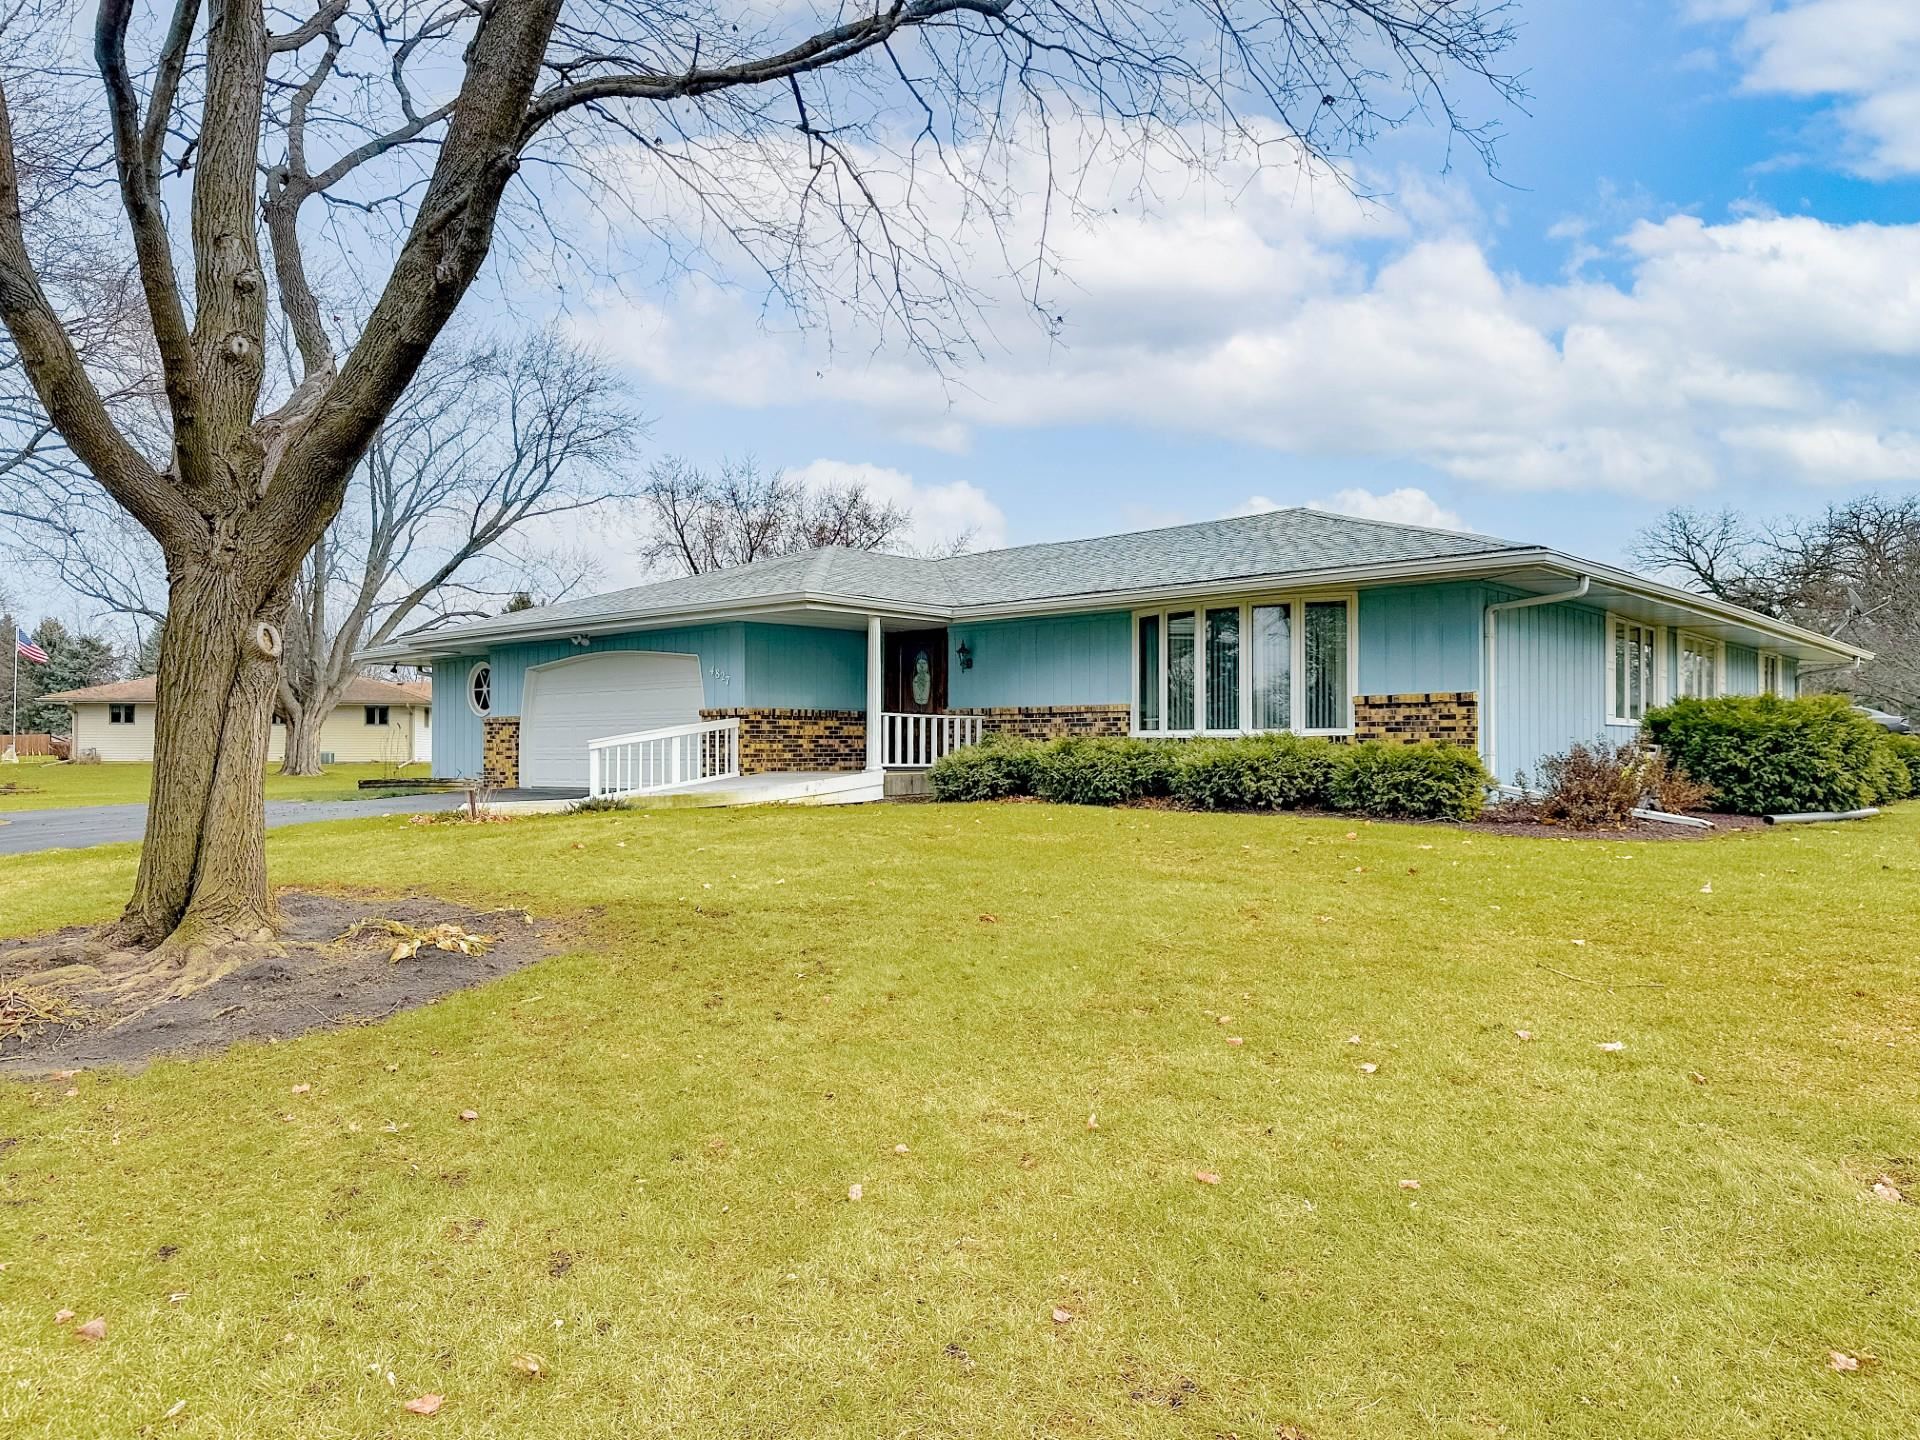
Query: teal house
(843, 663)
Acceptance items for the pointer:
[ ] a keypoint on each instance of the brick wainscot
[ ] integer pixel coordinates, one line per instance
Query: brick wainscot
(1452, 717)
(811, 740)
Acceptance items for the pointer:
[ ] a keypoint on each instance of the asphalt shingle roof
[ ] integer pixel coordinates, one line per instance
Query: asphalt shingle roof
(1276, 543)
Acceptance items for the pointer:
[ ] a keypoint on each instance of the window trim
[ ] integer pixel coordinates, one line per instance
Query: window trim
(1616, 713)
(384, 714)
(1680, 639)
(133, 713)
(1296, 601)
(473, 673)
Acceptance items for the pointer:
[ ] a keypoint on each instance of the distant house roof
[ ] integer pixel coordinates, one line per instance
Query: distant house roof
(361, 690)
(1277, 549)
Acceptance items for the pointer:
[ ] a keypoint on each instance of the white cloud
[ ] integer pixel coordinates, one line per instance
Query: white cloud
(1409, 505)
(1325, 329)
(1864, 55)
(941, 514)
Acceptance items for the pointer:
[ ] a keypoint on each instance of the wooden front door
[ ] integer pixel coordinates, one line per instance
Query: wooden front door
(916, 672)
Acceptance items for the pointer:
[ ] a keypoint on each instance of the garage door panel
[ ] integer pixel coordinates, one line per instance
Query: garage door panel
(573, 702)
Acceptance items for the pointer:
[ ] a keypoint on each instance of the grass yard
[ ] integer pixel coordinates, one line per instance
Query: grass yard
(47, 785)
(756, 1008)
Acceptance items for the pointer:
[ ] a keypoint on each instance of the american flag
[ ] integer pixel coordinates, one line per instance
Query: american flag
(28, 650)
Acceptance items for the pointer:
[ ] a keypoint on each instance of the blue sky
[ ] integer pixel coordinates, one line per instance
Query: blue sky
(1691, 281)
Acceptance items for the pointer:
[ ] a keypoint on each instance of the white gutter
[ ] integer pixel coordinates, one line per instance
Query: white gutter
(1489, 707)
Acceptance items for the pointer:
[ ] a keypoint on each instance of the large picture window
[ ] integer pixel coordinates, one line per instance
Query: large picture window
(1232, 667)
(1633, 662)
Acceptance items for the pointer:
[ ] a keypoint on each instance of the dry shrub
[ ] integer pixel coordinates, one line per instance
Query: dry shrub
(1671, 789)
(1592, 786)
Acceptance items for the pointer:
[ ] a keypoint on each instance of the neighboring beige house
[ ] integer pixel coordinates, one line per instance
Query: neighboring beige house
(377, 721)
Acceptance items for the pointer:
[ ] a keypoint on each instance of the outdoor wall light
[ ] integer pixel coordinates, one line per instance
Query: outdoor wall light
(965, 656)
(581, 640)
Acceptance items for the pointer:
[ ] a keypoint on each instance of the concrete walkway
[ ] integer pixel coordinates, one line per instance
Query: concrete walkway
(25, 831)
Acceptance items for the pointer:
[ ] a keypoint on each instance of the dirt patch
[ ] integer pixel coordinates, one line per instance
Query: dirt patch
(1519, 819)
(319, 982)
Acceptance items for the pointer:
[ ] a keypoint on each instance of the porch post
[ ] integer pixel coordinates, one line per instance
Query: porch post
(876, 754)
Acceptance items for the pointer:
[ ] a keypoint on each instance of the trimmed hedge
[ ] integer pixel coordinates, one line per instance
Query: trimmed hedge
(1766, 756)
(1254, 772)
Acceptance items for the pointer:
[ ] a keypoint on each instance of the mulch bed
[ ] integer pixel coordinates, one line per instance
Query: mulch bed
(1512, 819)
(320, 981)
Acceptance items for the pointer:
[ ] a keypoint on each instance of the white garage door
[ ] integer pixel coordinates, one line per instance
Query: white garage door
(572, 702)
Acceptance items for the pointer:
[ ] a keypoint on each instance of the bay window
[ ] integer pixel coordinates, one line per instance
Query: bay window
(1233, 667)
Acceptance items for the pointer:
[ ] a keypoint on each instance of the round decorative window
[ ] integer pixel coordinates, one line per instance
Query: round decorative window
(480, 688)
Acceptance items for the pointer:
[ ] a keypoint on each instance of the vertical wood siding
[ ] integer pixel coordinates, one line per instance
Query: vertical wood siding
(1051, 660)
(803, 667)
(1416, 638)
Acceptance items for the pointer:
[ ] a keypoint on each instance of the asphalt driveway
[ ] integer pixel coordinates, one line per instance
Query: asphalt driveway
(24, 831)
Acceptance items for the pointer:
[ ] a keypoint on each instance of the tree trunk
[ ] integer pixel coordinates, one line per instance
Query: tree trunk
(302, 755)
(203, 866)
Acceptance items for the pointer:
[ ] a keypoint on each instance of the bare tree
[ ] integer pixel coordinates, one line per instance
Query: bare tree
(698, 520)
(487, 443)
(1852, 571)
(394, 130)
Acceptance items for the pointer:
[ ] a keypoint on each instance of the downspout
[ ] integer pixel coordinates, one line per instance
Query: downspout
(1489, 709)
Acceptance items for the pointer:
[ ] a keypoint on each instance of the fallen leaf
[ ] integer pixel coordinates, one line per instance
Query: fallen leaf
(94, 1329)
(1579, 942)
(424, 1404)
(1841, 1361)
(70, 1093)
(62, 1317)
(1206, 1177)
(1353, 1039)
(1886, 1189)
(1061, 1315)
(63, 1074)
(1707, 889)
(1696, 1077)
(174, 1409)
(1368, 1067)
(469, 1114)
(900, 1150)
(1223, 1019)
(529, 1365)
(854, 1192)
(1093, 1122)
(1523, 1034)
(1235, 1040)
(302, 1089)
(1409, 1184)
(1611, 1046)
(989, 919)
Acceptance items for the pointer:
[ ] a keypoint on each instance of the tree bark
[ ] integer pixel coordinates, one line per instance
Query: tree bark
(302, 755)
(203, 868)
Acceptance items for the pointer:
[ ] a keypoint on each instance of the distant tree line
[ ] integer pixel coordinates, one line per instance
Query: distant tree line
(1850, 572)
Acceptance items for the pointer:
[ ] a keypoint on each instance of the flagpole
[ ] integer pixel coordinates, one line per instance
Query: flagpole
(13, 733)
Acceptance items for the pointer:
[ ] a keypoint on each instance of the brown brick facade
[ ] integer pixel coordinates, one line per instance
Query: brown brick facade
(832, 740)
(1048, 722)
(1452, 717)
(500, 752)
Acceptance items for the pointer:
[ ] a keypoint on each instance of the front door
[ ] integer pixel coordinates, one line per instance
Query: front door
(916, 673)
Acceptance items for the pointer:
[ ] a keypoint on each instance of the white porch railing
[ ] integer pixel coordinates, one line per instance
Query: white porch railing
(650, 760)
(915, 741)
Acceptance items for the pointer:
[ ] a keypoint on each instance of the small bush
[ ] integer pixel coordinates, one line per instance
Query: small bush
(997, 767)
(1260, 772)
(1764, 755)
(1593, 786)
(1103, 770)
(1414, 782)
(1906, 749)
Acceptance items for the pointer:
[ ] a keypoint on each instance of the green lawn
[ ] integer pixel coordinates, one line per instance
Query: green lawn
(756, 1007)
(46, 785)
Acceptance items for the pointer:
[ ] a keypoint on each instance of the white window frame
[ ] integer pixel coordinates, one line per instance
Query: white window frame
(1719, 648)
(1657, 695)
(133, 714)
(1296, 601)
(1779, 664)
(473, 672)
